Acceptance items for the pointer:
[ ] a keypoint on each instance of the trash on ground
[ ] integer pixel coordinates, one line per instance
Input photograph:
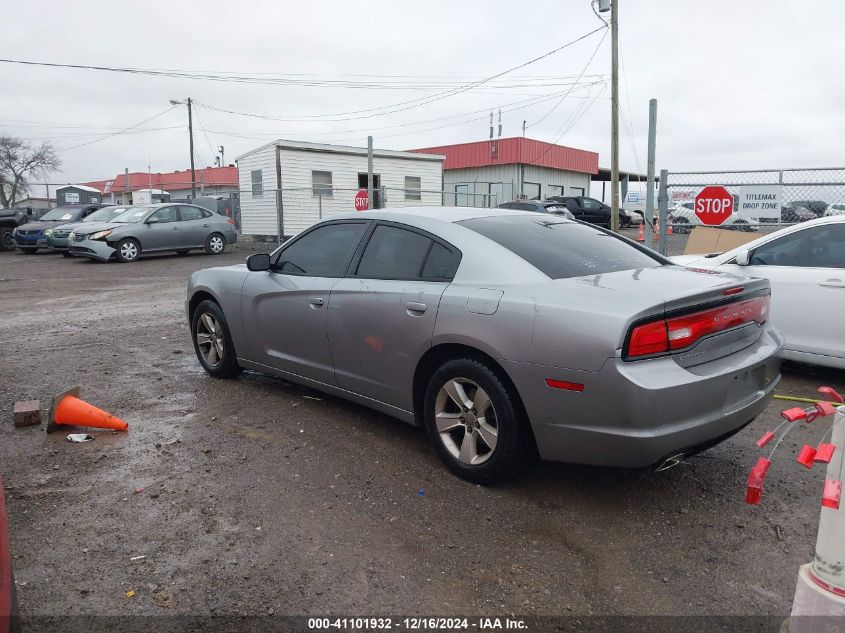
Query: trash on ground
(142, 557)
(313, 398)
(421, 492)
(68, 409)
(130, 594)
(80, 437)
(27, 413)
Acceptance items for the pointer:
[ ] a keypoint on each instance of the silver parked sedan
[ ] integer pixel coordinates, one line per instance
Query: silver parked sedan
(504, 333)
(154, 228)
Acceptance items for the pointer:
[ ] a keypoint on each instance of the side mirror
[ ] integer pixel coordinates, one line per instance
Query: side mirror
(742, 257)
(258, 262)
(152, 220)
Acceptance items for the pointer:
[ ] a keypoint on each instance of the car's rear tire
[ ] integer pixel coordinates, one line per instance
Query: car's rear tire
(489, 413)
(67, 254)
(213, 342)
(215, 244)
(128, 250)
(7, 240)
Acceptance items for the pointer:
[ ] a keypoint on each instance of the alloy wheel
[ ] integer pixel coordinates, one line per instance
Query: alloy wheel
(210, 340)
(466, 421)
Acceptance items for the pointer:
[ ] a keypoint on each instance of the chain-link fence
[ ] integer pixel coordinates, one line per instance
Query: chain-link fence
(286, 212)
(764, 201)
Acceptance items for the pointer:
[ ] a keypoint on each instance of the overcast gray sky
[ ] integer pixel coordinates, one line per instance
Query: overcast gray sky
(740, 84)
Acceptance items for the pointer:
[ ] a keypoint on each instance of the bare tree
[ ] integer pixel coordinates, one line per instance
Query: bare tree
(21, 162)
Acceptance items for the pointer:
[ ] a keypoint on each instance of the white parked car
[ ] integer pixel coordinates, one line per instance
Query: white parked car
(682, 217)
(805, 264)
(835, 209)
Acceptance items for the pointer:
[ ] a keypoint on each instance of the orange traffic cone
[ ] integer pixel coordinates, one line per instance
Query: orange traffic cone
(656, 229)
(641, 234)
(68, 409)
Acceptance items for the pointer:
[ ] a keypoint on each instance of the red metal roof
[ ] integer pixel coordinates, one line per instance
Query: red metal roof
(209, 176)
(516, 150)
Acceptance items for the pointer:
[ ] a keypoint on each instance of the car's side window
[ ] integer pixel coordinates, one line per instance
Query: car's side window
(394, 253)
(166, 214)
(324, 252)
(817, 247)
(190, 213)
(589, 203)
(441, 263)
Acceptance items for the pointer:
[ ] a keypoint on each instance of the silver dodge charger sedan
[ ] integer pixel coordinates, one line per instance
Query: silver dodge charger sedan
(154, 228)
(506, 334)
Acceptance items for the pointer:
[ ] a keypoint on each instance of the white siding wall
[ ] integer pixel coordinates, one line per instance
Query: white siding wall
(258, 213)
(301, 207)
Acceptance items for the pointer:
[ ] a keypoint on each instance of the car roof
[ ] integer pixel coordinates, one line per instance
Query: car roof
(429, 217)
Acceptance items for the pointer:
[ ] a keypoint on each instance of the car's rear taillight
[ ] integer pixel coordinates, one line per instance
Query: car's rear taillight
(231, 221)
(677, 333)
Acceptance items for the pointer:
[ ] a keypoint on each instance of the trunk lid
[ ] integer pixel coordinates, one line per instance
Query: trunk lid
(650, 294)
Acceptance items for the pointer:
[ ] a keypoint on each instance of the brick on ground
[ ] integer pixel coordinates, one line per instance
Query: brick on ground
(27, 413)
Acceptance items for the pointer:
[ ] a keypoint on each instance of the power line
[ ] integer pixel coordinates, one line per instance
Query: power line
(108, 136)
(583, 70)
(372, 112)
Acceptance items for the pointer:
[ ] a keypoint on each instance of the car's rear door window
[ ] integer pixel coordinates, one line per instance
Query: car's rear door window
(323, 252)
(394, 253)
(190, 213)
(562, 248)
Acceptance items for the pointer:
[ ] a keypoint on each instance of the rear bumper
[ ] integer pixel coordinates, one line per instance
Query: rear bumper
(637, 414)
(95, 249)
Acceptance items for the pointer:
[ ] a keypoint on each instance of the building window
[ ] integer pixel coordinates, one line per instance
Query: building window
(531, 190)
(497, 194)
(554, 190)
(257, 183)
(413, 188)
(576, 191)
(321, 183)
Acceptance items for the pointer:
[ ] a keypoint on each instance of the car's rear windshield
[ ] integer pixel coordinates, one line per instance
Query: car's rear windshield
(563, 248)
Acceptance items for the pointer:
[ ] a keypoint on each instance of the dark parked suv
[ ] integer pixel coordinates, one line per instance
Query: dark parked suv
(591, 210)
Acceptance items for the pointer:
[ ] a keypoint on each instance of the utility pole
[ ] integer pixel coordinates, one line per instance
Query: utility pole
(191, 138)
(649, 194)
(191, 143)
(222, 156)
(614, 116)
(370, 172)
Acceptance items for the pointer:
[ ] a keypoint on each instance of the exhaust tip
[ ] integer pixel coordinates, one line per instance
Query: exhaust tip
(670, 462)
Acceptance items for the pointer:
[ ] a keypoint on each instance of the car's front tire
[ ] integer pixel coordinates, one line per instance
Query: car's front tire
(215, 244)
(475, 422)
(212, 341)
(128, 250)
(28, 250)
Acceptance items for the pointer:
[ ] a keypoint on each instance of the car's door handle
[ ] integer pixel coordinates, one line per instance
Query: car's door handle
(206, 225)
(832, 283)
(175, 228)
(316, 302)
(415, 308)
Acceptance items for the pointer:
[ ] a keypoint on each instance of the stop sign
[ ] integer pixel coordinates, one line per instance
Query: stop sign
(714, 205)
(362, 200)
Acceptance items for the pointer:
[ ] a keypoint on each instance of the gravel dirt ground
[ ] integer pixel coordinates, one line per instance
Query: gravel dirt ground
(254, 496)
